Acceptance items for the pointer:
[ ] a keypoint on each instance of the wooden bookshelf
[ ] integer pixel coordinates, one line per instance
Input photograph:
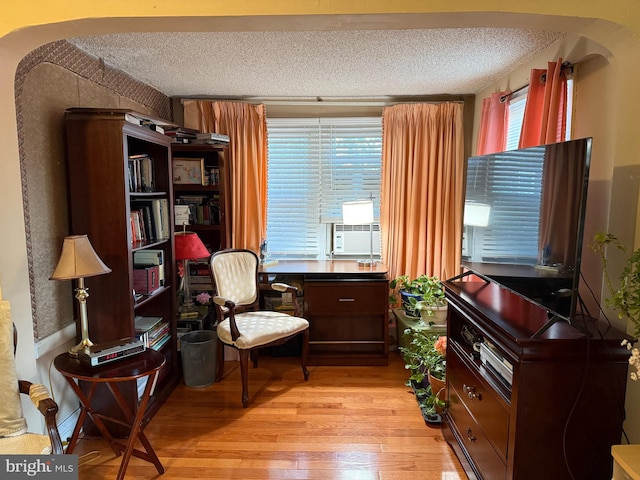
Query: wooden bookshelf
(99, 145)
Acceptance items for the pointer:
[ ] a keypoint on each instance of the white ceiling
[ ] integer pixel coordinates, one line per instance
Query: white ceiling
(328, 64)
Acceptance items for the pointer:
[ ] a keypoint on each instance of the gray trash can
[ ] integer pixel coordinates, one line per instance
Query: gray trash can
(198, 352)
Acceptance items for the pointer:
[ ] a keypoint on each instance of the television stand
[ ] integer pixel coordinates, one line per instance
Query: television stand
(540, 421)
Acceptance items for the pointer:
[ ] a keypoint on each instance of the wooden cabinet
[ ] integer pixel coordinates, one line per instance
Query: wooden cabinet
(99, 146)
(347, 321)
(558, 409)
(209, 202)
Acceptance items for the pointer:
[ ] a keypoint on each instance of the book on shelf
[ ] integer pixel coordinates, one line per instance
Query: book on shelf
(214, 175)
(203, 209)
(199, 268)
(154, 332)
(144, 324)
(181, 133)
(212, 137)
(141, 173)
(155, 217)
(138, 231)
(131, 118)
(150, 257)
(200, 284)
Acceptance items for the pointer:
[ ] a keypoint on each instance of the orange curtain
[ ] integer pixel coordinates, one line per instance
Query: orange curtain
(422, 189)
(493, 124)
(246, 126)
(545, 112)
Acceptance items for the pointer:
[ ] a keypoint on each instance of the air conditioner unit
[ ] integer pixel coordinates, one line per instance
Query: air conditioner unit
(355, 239)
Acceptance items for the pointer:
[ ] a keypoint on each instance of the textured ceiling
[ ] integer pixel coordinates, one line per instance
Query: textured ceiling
(328, 64)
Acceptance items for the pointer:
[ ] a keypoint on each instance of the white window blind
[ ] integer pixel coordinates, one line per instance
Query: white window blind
(514, 193)
(515, 115)
(314, 166)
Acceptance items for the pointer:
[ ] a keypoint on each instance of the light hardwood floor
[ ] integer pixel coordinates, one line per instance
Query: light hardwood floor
(344, 423)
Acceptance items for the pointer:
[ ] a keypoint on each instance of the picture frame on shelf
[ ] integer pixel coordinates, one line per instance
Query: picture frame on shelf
(189, 171)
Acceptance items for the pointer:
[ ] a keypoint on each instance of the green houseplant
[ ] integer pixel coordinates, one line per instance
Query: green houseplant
(422, 296)
(425, 358)
(625, 299)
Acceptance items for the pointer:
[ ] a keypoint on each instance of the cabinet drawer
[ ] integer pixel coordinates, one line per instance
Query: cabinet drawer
(337, 298)
(480, 400)
(474, 441)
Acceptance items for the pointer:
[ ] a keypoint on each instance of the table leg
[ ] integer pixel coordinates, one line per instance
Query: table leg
(85, 409)
(136, 428)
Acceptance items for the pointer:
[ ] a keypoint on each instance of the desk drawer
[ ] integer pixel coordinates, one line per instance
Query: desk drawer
(338, 298)
(480, 400)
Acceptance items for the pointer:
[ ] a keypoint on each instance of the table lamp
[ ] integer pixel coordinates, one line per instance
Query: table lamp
(79, 260)
(188, 247)
(360, 212)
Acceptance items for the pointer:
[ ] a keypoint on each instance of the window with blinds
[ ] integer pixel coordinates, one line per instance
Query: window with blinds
(314, 165)
(512, 186)
(515, 115)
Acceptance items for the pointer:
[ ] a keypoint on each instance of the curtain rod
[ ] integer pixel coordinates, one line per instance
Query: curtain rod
(306, 102)
(503, 98)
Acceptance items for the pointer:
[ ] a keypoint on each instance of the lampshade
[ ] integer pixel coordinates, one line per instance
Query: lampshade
(357, 213)
(189, 246)
(78, 260)
(476, 214)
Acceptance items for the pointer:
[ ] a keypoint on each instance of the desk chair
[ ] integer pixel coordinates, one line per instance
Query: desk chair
(240, 324)
(14, 438)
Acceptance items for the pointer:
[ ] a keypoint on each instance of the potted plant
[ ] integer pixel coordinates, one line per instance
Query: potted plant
(626, 297)
(421, 297)
(425, 358)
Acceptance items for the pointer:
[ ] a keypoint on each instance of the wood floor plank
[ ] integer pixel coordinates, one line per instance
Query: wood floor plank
(345, 423)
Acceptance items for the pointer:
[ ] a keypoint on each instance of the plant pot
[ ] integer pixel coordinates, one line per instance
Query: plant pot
(439, 316)
(437, 387)
(404, 297)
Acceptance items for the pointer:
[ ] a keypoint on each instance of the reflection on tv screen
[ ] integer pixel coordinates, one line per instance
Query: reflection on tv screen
(524, 221)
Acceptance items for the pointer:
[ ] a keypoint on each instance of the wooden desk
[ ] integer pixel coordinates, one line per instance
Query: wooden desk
(144, 365)
(339, 268)
(347, 308)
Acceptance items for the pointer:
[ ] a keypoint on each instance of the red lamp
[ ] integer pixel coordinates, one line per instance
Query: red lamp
(188, 247)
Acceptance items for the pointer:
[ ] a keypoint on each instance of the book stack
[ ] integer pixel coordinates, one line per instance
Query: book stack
(154, 124)
(212, 138)
(200, 278)
(152, 331)
(182, 134)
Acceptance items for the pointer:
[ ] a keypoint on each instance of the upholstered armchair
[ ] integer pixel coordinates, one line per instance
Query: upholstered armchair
(240, 323)
(14, 438)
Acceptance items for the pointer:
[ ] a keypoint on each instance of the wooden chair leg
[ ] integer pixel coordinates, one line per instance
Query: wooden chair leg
(303, 355)
(220, 360)
(244, 373)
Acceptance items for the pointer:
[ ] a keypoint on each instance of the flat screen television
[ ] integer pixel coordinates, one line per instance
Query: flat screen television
(524, 221)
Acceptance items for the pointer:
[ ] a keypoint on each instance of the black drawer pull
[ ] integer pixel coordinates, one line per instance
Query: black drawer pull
(470, 436)
(471, 392)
